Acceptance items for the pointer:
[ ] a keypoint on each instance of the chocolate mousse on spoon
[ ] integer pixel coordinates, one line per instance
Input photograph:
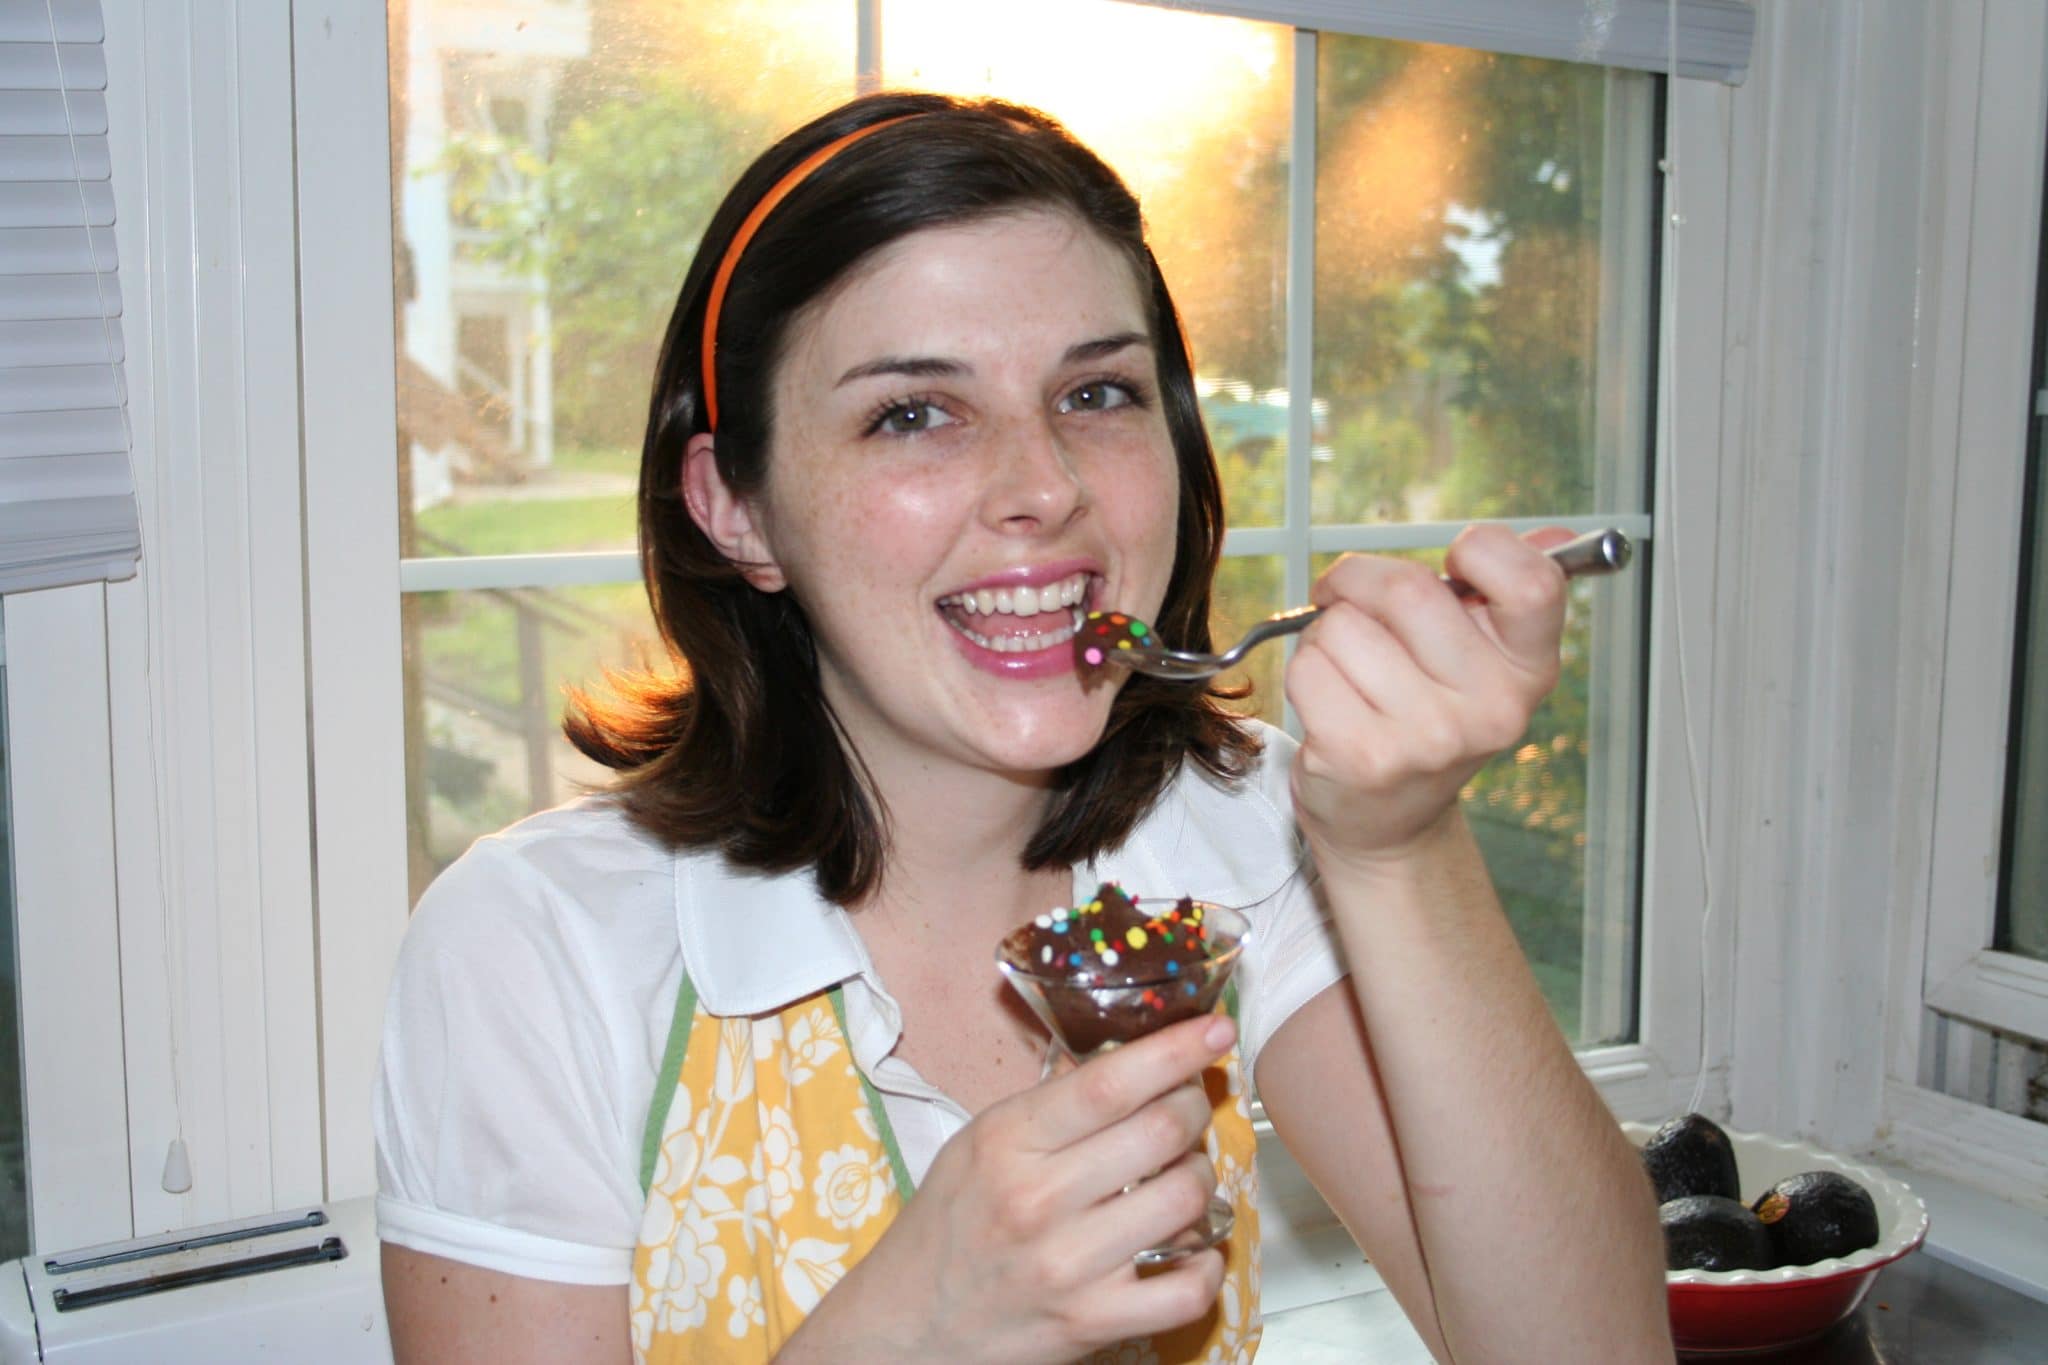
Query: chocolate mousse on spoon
(1105, 638)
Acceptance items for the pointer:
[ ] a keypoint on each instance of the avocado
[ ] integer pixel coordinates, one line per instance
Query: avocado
(1710, 1232)
(1691, 1155)
(1815, 1215)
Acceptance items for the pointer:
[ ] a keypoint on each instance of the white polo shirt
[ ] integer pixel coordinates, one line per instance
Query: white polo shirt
(533, 995)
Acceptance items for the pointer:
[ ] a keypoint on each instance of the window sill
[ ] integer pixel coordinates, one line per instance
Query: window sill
(1977, 1231)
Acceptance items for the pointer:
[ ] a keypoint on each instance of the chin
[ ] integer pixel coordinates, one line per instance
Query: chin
(1054, 743)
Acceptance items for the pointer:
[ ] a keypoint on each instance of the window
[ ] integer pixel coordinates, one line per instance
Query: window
(1472, 340)
(1985, 965)
(1968, 1068)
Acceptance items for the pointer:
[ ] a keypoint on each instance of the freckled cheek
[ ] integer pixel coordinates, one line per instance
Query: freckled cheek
(866, 524)
(1141, 494)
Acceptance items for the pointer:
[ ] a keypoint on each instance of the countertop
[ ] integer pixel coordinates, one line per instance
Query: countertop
(1921, 1311)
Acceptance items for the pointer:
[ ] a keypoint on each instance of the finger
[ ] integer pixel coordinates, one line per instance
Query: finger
(1151, 1213)
(1382, 669)
(1420, 611)
(1117, 1084)
(1129, 1303)
(1331, 710)
(1100, 1165)
(1548, 538)
(1524, 592)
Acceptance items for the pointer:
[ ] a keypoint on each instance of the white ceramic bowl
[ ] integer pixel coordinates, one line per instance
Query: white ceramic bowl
(1756, 1310)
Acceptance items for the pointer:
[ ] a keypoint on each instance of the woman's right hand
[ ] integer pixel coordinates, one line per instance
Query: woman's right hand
(1018, 1244)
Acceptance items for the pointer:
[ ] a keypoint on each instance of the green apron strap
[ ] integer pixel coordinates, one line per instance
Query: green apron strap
(665, 1079)
(881, 1115)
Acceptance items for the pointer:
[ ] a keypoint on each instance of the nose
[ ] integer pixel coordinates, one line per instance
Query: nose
(1036, 483)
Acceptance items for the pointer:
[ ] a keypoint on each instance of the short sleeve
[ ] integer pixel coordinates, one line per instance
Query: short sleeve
(1294, 954)
(504, 1135)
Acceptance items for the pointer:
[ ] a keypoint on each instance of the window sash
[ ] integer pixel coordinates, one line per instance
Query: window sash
(1712, 38)
(1989, 378)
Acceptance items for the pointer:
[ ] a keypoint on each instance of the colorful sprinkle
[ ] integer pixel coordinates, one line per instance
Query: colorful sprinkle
(1135, 936)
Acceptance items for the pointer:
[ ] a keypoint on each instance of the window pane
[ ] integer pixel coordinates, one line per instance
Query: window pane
(1559, 815)
(1192, 110)
(485, 678)
(557, 163)
(1248, 589)
(1482, 285)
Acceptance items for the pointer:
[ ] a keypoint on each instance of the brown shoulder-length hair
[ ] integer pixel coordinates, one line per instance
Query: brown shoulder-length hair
(742, 752)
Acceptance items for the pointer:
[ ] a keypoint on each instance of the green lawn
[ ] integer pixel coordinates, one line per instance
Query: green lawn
(531, 525)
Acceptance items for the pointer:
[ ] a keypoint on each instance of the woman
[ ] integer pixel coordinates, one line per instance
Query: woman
(663, 1067)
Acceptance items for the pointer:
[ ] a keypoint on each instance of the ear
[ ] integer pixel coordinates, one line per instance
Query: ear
(726, 517)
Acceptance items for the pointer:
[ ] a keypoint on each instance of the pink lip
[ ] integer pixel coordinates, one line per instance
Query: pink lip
(1036, 663)
(1031, 576)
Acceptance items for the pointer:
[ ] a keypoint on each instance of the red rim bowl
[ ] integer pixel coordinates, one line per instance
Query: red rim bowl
(1737, 1312)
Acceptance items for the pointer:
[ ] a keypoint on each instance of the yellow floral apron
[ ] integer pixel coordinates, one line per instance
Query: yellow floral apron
(770, 1170)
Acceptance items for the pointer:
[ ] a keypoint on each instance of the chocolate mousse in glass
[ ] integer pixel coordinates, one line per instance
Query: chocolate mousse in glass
(1114, 969)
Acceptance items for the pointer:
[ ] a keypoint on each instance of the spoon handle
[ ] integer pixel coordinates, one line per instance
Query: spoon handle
(1596, 552)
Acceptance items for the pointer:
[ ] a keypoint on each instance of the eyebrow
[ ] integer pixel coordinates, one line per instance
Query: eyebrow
(926, 367)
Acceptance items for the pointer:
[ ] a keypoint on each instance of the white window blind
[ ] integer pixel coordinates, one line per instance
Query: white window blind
(67, 493)
(1713, 36)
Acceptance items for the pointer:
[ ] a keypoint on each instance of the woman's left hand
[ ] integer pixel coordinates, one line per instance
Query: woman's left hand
(1403, 690)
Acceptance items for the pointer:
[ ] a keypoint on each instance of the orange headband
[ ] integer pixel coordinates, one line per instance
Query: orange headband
(796, 176)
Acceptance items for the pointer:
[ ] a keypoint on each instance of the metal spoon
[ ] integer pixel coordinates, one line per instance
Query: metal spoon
(1108, 637)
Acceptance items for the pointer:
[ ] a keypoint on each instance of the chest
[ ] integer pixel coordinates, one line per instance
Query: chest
(964, 1030)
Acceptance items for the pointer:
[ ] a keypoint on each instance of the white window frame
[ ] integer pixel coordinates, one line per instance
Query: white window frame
(1987, 382)
(1982, 260)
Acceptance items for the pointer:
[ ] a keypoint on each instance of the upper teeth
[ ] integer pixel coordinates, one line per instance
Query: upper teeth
(1020, 601)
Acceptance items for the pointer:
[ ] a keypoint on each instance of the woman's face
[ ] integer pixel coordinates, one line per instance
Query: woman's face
(969, 449)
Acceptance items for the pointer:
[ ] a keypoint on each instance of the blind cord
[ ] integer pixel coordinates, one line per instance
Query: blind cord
(177, 1173)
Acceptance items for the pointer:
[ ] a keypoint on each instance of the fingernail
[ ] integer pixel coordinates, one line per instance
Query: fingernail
(1220, 1031)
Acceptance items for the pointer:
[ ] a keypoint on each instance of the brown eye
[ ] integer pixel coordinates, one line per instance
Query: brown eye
(1096, 398)
(909, 418)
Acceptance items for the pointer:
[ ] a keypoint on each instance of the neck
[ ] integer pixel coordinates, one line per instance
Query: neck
(956, 847)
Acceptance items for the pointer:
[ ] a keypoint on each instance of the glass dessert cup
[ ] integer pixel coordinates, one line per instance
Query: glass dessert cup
(1091, 1002)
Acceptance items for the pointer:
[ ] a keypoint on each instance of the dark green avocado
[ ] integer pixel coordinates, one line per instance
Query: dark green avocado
(1710, 1232)
(1691, 1155)
(1815, 1215)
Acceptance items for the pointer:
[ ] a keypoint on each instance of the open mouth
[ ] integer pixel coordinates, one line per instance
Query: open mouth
(1019, 620)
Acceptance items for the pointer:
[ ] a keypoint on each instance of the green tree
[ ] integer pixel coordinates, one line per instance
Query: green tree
(1458, 391)
(608, 222)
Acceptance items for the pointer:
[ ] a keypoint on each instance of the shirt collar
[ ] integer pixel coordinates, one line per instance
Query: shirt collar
(754, 942)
